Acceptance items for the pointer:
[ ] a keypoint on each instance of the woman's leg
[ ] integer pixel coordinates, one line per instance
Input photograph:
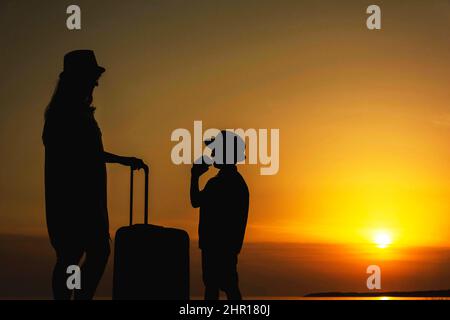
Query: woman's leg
(65, 257)
(97, 254)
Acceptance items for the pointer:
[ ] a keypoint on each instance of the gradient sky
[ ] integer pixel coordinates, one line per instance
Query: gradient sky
(364, 116)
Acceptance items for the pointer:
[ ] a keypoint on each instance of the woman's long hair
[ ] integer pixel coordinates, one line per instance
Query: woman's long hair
(71, 94)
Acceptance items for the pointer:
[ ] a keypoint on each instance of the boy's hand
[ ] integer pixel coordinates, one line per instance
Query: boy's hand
(199, 169)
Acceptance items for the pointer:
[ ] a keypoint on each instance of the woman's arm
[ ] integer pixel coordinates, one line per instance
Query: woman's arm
(135, 163)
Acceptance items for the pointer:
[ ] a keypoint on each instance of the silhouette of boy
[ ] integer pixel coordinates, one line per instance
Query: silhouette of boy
(224, 204)
(75, 177)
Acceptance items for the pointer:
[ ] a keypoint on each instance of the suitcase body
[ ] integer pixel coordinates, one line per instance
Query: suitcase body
(150, 262)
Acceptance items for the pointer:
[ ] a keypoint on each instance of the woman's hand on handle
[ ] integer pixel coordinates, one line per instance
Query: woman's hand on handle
(136, 164)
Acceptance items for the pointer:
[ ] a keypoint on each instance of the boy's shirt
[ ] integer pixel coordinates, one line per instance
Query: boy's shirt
(224, 204)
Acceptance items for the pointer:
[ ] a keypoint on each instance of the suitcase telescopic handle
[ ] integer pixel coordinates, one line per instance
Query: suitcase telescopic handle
(146, 170)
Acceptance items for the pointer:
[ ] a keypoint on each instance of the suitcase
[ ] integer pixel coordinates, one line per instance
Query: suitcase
(150, 262)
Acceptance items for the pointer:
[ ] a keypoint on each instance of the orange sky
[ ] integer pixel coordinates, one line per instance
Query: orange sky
(363, 115)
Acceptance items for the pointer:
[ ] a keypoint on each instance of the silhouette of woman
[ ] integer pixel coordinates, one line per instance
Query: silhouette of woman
(75, 177)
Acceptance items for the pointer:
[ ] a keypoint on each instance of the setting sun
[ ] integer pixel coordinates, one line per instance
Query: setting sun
(382, 239)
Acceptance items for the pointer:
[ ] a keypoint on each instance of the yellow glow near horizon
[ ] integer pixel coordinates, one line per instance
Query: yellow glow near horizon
(382, 239)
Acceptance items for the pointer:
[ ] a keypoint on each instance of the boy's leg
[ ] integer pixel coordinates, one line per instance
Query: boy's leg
(234, 293)
(230, 276)
(211, 293)
(209, 269)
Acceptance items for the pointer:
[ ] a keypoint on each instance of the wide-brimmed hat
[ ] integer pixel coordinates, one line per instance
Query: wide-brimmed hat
(82, 63)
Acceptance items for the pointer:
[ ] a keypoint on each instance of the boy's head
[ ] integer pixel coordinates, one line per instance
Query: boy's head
(228, 149)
